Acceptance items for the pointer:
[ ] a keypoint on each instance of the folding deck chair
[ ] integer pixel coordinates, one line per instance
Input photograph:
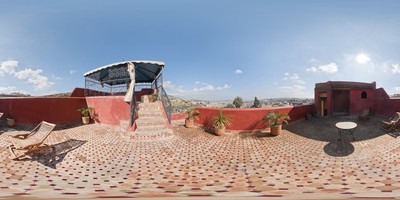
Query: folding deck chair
(24, 144)
(392, 123)
(364, 115)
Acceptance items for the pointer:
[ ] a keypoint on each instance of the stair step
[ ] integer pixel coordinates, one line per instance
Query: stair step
(149, 128)
(149, 106)
(150, 113)
(141, 122)
(153, 132)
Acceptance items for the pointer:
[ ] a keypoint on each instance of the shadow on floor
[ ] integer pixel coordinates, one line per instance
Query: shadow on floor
(339, 148)
(324, 129)
(56, 153)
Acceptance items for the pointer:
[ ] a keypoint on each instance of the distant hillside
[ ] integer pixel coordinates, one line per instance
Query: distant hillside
(66, 94)
(15, 94)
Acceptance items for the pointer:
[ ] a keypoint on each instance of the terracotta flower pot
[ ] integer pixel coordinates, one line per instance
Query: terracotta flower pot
(85, 120)
(219, 131)
(10, 122)
(189, 123)
(276, 130)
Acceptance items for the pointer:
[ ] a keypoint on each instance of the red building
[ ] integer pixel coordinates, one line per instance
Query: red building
(344, 98)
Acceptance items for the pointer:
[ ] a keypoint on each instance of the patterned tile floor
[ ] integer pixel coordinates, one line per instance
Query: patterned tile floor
(305, 162)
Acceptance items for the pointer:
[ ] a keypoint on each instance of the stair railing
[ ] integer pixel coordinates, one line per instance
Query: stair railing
(162, 96)
(133, 109)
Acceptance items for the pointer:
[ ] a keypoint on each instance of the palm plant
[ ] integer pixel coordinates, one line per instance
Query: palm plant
(85, 111)
(276, 118)
(192, 113)
(220, 121)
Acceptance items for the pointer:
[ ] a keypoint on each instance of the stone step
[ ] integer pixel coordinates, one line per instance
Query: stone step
(149, 106)
(150, 128)
(142, 122)
(153, 132)
(150, 113)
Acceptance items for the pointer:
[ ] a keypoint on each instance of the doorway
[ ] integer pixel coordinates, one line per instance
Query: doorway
(323, 97)
(341, 101)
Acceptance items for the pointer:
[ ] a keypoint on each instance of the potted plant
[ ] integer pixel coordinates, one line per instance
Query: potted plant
(192, 115)
(219, 122)
(86, 112)
(275, 120)
(10, 118)
(153, 97)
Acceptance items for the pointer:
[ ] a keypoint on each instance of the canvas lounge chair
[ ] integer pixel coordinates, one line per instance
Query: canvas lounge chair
(24, 144)
(364, 116)
(392, 123)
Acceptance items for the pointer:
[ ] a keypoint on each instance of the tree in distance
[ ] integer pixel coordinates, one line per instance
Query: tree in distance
(257, 103)
(238, 102)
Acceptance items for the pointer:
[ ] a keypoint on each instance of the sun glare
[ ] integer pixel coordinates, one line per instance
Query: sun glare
(362, 58)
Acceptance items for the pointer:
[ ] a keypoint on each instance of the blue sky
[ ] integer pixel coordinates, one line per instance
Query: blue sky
(213, 50)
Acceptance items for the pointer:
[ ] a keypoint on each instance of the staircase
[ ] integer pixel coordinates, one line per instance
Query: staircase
(151, 123)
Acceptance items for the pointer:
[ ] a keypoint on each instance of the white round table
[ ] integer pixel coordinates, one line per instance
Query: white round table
(347, 127)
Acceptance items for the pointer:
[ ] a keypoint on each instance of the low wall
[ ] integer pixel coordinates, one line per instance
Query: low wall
(387, 107)
(383, 105)
(247, 119)
(32, 110)
(178, 116)
(109, 109)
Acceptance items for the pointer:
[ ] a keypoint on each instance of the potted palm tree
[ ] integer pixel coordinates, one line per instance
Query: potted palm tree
(275, 120)
(219, 122)
(86, 112)
(192, 115)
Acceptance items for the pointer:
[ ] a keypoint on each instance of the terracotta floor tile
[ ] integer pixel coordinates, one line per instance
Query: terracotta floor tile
(94, 161)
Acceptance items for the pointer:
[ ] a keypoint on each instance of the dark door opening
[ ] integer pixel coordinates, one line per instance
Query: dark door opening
(341, 102)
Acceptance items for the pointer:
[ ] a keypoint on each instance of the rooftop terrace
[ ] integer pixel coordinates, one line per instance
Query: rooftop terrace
(306, 161)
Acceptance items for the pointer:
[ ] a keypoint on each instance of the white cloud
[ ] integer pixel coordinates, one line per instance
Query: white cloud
(8, 67)
(328, 68)
(8, 89)
(210, 87)
(295, 78)
(35, 77)
(362, 58)
(72, 72)
(201, 83)
(296, 83)
(168, 85)
(397, 89)
(293, 88)
(56, 77)
(226, 86)
(396, 68)
(205, 88)
(312, 69)
(238, 71)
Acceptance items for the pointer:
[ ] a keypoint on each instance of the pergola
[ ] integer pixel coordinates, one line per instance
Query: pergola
(114, 79)
(124, 78)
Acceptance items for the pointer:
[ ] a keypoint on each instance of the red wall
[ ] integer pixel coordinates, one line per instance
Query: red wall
(109, 109)
(178, 116)
(251, 118)
(357, 104)
(385, 106)
(32, 110)
(78, 92)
